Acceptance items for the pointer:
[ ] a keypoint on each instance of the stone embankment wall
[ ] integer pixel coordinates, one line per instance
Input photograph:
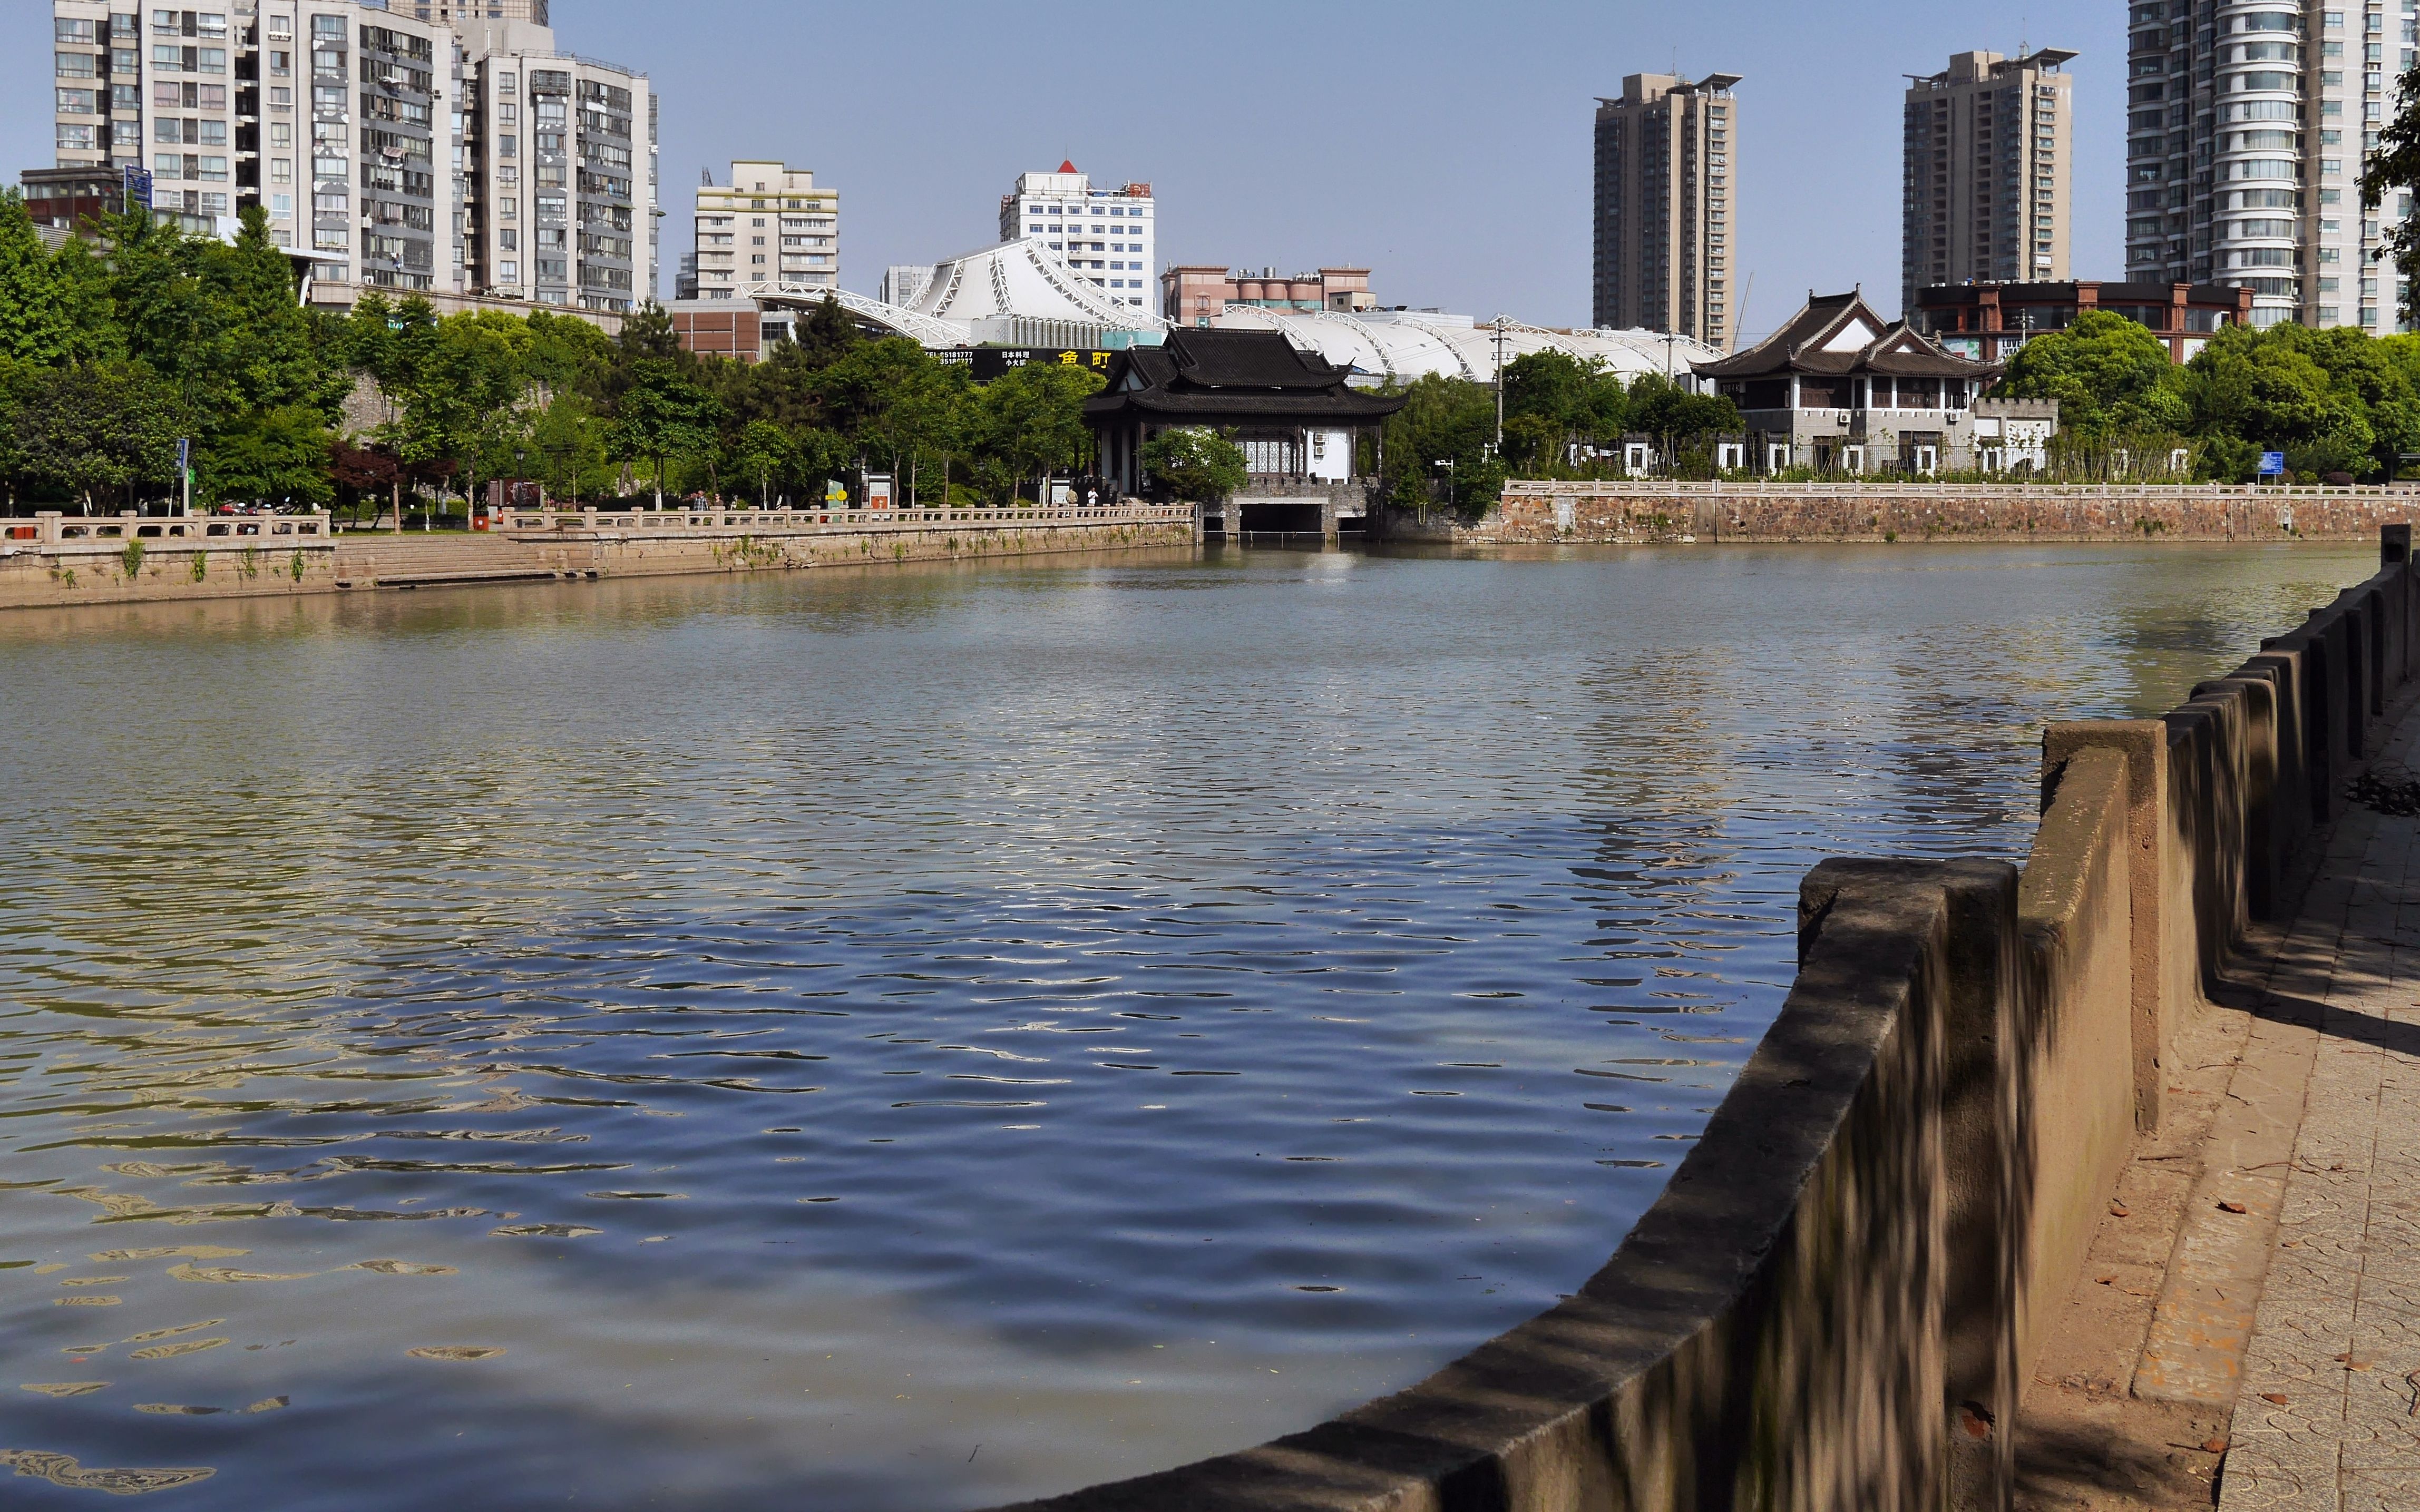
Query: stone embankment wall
(1706, 512)
(55, 574)
(1836, 1301)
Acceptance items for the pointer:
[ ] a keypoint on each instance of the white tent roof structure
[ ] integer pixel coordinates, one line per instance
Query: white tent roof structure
(1021, 279)
(1404, 344)
(906, 322)
(1015, 281)
(1016, 292)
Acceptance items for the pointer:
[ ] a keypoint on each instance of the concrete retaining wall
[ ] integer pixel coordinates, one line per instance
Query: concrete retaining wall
(1706, 512)
(1835, 1303)
(363, 560)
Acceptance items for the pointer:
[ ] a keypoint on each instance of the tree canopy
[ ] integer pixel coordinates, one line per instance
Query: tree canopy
(1196, 463)
(2335, 400)
(109, 353)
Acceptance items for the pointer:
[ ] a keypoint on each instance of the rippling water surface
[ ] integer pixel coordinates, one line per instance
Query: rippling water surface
(920, 1038)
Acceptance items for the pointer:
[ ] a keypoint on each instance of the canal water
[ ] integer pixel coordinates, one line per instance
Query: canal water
(919, 1038)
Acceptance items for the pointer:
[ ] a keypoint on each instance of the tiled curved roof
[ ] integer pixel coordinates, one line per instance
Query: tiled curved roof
(1839, 333)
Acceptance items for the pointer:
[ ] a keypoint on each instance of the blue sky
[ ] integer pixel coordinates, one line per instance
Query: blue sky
(1447, 145)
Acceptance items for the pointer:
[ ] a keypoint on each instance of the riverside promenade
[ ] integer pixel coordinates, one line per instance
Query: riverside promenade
(2246, 1331)
(2328, 1413)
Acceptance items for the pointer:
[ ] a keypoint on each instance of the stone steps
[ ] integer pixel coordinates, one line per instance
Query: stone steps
(400, 559)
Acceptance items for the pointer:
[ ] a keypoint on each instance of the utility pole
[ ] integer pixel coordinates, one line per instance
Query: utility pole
(1500, 385)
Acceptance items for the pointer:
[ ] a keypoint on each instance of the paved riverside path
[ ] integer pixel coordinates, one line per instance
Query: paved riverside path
(2328, 1412)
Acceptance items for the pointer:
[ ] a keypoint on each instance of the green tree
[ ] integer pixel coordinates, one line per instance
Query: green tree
(1687, 422)
(80, 283)
(278, 456)
(565, 354)
(1443, 438)
(2108, 374)
(567, 449)
(2274, 390)
(275, 361)
(763, 452)
(826, 335)
(662, 414)
(1196, 463)
(17, 380)
(2392, 168)
(894, 400)
(34, 327)
(1553, 400)
(1030, 418)
(100, 430)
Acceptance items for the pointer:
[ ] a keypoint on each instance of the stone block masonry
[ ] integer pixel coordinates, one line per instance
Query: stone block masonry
(87, 569)
(1699, 513)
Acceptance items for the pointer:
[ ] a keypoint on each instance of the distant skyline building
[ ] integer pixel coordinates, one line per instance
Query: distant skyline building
(2244, 137)
(1667, 159)
(1196, 293)
(1108, 235)
(1987, 161)
(903, 282)
(445, 149)
(458, 13)
(768, 224)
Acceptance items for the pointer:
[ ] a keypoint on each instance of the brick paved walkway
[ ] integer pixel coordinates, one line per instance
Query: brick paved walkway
(2328, 1416)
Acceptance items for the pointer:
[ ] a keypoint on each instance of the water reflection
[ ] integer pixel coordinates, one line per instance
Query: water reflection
(923, 1038)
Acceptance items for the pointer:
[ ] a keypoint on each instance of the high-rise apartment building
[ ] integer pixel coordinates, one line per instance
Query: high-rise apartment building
(903, 282)
(1079, 224)
(448, 150)
(1666, 161)
(1987, 180)
(2247, 123)
(769, 225)
(457, 12)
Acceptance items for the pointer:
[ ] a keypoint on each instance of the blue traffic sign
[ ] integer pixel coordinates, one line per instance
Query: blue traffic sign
(2273, 464)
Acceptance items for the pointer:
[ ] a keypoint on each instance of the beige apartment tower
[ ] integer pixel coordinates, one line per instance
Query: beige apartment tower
(769, 225)
(1666, 206)
(1988, 159)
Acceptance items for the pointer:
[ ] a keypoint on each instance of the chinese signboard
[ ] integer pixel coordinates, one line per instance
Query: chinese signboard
(988, 363)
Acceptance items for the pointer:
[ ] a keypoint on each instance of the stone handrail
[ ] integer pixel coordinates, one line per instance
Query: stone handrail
(646, 523)
(1884, 489)
(52, 533)
(1838, 1300)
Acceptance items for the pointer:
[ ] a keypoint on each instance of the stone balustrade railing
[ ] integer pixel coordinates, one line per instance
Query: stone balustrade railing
(54, 533)
(646, 523)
